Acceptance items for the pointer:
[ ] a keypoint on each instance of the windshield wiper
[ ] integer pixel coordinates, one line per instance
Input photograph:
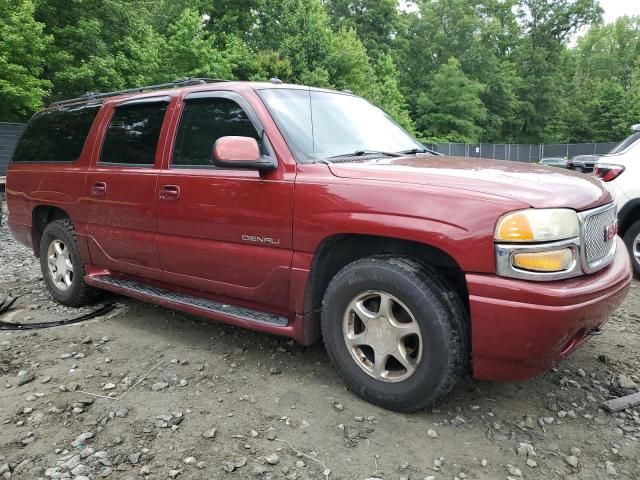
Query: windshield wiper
(361, 153)
(413, 151)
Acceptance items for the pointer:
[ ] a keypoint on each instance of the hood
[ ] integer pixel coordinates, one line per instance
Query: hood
(535, 185)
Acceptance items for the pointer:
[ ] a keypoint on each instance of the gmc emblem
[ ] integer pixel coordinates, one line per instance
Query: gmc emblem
(610, 231)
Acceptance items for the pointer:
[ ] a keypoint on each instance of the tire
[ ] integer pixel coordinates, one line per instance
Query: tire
(435, 356)
(632, 241)
(69, 289)
(578, 169)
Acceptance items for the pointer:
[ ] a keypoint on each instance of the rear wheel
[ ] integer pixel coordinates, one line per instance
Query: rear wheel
(395, 331)
(632, 241)
(62, 266)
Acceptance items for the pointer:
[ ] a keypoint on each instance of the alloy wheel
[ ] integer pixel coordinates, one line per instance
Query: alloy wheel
(60, 265)
(382, 336)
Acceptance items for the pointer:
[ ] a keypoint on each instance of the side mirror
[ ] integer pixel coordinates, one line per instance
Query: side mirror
(240, 152)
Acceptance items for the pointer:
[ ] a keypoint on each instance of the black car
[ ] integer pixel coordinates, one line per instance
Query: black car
(583, 163)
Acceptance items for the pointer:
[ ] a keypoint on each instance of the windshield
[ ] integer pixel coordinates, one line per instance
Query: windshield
(320, 125)
(626, 143)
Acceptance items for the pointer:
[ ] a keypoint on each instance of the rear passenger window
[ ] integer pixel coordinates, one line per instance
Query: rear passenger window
(204, 121)
(56, 135)
(132, 135)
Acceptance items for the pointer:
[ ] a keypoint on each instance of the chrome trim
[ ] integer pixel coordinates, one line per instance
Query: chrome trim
(505, 253)
(601, 262)
(580, 266)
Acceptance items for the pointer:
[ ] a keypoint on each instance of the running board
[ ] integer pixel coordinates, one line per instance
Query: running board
(176, 300)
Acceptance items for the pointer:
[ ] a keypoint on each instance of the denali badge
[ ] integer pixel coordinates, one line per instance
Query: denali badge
(256, 239)
(610, 231)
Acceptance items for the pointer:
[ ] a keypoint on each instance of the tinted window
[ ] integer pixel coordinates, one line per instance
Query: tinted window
(205, 120)
(133, 134)
(56, 135)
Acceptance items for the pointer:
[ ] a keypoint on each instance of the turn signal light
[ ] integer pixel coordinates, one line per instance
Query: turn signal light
(551, 261)
(515, 228)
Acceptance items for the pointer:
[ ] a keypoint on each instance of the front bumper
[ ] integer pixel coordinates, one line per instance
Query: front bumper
(521, 328)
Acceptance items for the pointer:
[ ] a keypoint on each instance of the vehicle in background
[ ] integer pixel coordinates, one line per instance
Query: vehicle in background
(554, 162)
(583, 163)
(311, 214)
(620, 170)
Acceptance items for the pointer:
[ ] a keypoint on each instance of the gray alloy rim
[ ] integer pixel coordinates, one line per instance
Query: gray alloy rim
(382, 336)
(60, 265)
(636, 248)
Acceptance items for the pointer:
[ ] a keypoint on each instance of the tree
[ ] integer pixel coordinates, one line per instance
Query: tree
(348, 63)
(22, 60)
(375, 21)
(490, 70)
(610, 51)
(189, 52)
(546, 29)
(90, 41)
(451, 108)
(387, 95)
(297, 30)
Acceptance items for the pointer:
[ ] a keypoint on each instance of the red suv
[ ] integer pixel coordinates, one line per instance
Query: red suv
(311, 214)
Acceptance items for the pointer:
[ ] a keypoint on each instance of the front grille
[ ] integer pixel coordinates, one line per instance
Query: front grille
(597, 247)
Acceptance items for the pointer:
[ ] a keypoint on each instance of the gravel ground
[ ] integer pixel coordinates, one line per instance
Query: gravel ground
(227, 403)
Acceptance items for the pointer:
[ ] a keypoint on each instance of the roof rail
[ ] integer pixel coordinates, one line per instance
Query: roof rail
(179, 82)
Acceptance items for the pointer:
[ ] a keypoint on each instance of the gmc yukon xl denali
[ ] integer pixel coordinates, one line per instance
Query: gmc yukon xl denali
(311, 214)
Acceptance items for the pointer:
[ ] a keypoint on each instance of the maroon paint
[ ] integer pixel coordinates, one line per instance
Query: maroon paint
(191, 230)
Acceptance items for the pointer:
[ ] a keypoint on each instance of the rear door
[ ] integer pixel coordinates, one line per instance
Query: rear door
(121, 188)
(224, 231)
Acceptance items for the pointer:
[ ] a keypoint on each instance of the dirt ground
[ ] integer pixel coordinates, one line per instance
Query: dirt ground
(226, 403)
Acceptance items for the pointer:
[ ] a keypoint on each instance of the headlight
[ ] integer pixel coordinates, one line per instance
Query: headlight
(537, 225)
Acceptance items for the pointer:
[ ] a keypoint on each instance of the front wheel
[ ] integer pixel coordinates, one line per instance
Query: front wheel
(632, 241)
(62, 266)
(395, 331)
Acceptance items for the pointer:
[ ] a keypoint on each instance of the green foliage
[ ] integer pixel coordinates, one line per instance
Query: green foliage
(375, 21)
(451, 107)
(491, 70)
(387, 95)
(22, 58)
(189, 51)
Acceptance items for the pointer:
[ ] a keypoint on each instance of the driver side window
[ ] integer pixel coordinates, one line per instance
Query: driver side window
(203, 121)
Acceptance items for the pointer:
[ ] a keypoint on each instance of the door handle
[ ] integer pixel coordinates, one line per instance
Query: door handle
(98, 189)
(170, 193)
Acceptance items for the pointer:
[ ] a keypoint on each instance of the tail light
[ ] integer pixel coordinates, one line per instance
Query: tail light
(607, 172)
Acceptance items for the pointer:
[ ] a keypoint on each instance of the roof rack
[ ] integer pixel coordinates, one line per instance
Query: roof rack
(179, 82)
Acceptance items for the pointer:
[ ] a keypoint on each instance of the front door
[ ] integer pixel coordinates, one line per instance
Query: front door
(121, 190)
(223, 231)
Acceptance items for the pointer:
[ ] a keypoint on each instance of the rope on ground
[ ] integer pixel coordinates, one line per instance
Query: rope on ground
(116, 399)
(326, 472)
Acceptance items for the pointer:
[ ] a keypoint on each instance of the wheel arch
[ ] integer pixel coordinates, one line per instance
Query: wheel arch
(628, 215)
(337, 251)
(41, 216)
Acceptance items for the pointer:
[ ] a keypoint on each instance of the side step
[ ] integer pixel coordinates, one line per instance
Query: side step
(166, 297)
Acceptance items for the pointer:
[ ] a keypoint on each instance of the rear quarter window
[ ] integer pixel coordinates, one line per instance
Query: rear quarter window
(56, 135)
